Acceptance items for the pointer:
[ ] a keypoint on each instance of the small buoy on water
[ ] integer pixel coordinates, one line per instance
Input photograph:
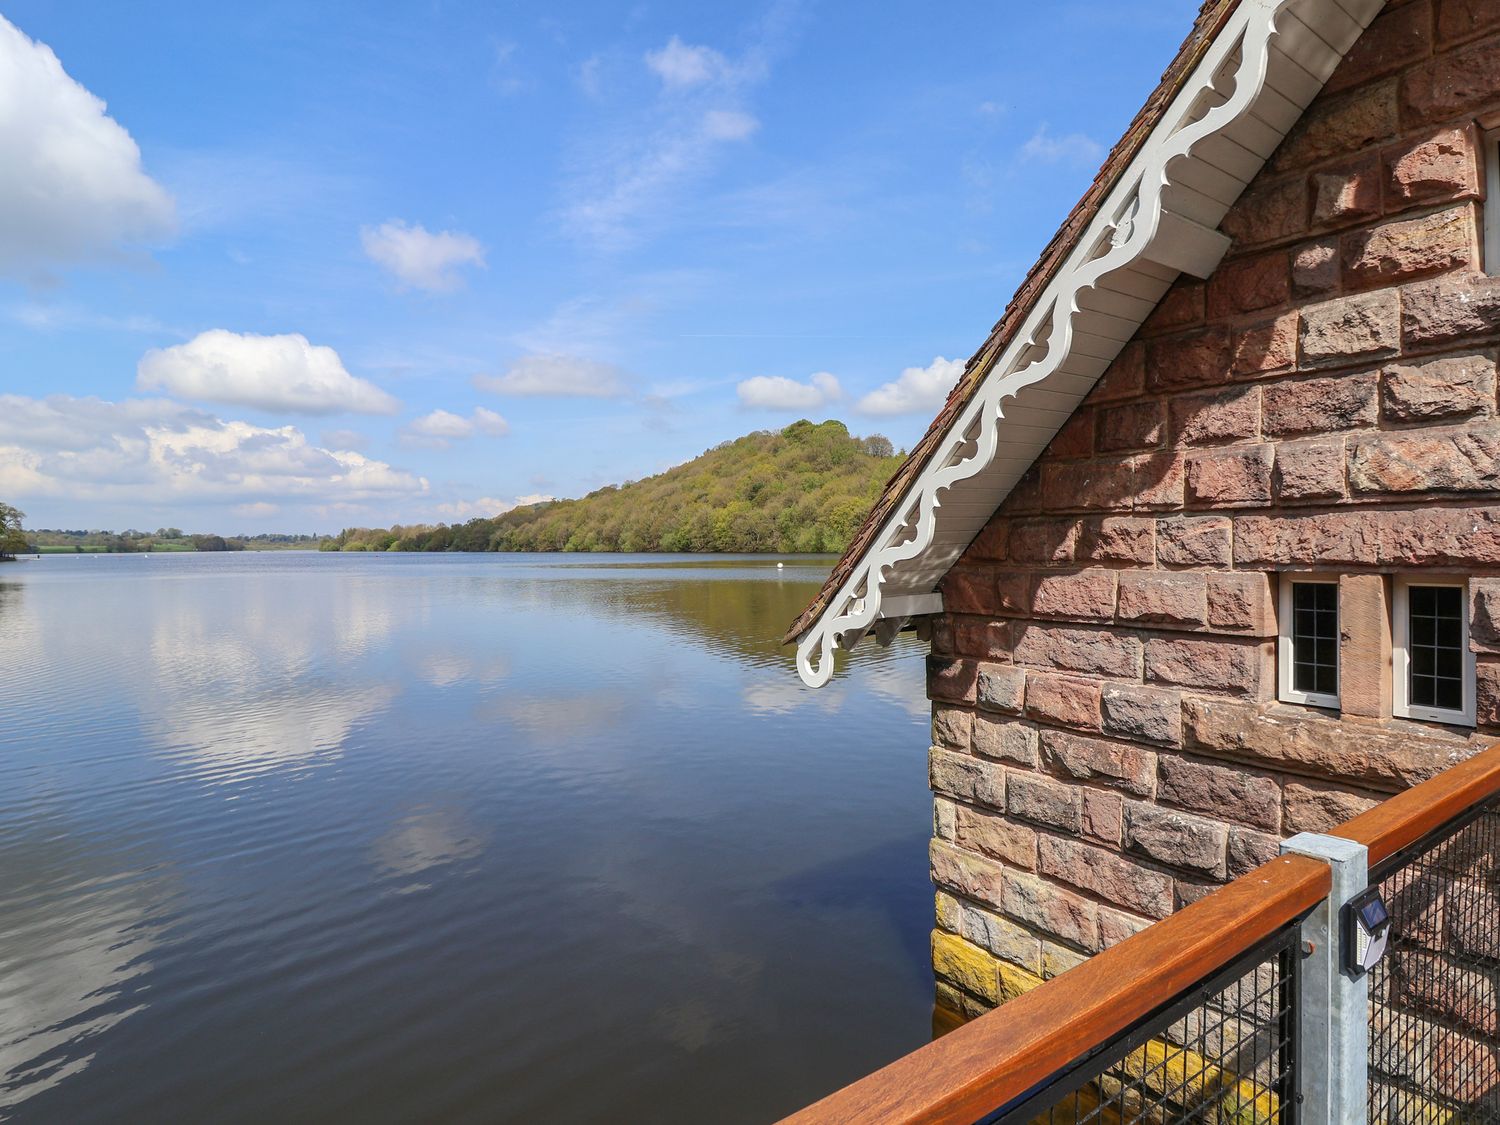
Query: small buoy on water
(780, 565)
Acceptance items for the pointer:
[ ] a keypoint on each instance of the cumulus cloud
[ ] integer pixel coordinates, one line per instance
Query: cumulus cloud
(258, 509)
(1071, 148)
(343, 439)
(728, 125)
(89, 448)
(441, 427)
(556, 376)
(681, 65)
(486, 507)
(918, 390)
(419, 258)
(277, 373)
(73, 189)
(776, 392)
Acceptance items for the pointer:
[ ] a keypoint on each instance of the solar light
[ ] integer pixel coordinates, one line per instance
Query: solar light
(1367, 926)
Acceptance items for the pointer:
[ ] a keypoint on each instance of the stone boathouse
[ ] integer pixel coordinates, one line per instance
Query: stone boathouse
(1206, 540)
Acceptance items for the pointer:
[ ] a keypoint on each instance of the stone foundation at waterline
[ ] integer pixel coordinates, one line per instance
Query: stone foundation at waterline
(1107, 744)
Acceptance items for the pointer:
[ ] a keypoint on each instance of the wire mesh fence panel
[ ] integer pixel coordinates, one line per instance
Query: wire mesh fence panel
(1435, 998)
(1224, 1053)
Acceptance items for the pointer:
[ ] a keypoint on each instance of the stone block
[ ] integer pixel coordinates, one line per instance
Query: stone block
(1365, 625)
(1244, 285)
(993, 835)
(1349, 194)
(1438, 167)
(1205, 664)
(1193, 541)
(1052, 910)
(952, 727)
(1048, 542)
(1290, 739)
(1398, 37)
(992, 544)
(1107, 875)
(984, 638)
(1230, 477)
(1116, 539)
(1070, 648)
(1219, 416)
(1058, 959)
(951, 679)
(1125, 767)
(1103, 814)
(1309, 470)
(1193, 359)
(1098, 485)
(948, 912)
(1484, 615)
(965, 966)
(1405, 249)
(1349, 329)
(1452, 84)
(1006, 940)
(944, 818)
(1014, 982)
(1241, 602)
(1315, 271)
(1223, 792)
(1316, 806)
(966, 777)
(1274, 211)
(1332, 126)
(1163, 598)
(1437, 389)
(1487, 694)
(966, 874)
(1125, 377)
(970, 590)
(1131, 426)
(1076, 438)
(1001, 688)
(1006, 740)
(1283, 540)
(1423, 461)
(1463, 19)
(1249, 849)
(1449, 308)
(1143, 714)
(1062, 701)
(1115, 927)
(1266, 347)
(1157, 481)
(1181, 307)
(1315, 406)
(1087, 595)
(1177, 839)
(1043, 801)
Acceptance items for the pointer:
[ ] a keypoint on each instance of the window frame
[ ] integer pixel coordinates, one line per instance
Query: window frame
(1285, 648)
(1490, 210)
(1401, 706)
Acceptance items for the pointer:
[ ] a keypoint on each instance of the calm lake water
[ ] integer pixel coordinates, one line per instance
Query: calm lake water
(301, 837)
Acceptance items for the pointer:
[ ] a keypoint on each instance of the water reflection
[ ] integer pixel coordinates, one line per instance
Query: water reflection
(427, 838)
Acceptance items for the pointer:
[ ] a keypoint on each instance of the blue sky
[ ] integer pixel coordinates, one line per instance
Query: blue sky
(301, 266)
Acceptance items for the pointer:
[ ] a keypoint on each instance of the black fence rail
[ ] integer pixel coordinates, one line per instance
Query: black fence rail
(1224, 1052)
(1435, 998)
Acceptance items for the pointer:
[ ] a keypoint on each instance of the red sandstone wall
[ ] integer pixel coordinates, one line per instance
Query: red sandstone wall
(1107, 741)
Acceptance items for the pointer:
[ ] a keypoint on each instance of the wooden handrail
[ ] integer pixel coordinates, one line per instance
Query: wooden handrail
(1407, 817)
(996, 1058)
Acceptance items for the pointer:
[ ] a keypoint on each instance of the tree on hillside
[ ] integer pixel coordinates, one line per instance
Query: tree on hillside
(12, 538)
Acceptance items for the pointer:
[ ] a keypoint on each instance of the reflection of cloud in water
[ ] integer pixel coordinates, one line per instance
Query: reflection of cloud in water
(63, 977)
(429, 837)
(784, 695)
(902, 681)
(552, 719)
(448, 669)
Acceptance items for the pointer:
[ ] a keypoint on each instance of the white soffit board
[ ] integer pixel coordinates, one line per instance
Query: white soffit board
(1160, 220)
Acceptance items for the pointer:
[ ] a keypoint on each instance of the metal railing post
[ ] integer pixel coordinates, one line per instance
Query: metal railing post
(1333, 1071)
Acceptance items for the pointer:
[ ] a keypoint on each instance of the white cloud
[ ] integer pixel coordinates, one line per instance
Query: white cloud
(682, 65)
(442, 426)
(728, 125)
(776, 392)
(918, 390)
(419, 258)
(556, 376)
(258, 509)
(343, 439)
(1071, 148)
(72, 189)
(279, 373)
(486, 507)
(91, 449)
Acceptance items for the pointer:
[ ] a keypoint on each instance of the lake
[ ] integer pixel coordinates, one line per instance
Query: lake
(400, 838)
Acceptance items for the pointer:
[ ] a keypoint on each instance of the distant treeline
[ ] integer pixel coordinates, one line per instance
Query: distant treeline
(804, 489)
(58, 540)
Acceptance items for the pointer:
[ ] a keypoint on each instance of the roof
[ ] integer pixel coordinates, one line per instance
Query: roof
(1240, 81)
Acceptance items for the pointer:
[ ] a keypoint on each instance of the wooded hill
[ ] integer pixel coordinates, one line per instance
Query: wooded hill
(804, 489)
